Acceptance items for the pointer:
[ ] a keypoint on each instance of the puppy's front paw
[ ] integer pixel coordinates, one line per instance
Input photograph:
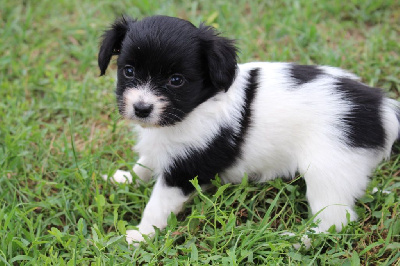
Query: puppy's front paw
(133, 237)
(119, 177)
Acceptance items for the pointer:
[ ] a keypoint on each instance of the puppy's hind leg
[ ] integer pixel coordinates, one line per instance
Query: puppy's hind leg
(333, 184)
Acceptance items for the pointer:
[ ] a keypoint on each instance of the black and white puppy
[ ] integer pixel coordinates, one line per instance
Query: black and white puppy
(199, 113)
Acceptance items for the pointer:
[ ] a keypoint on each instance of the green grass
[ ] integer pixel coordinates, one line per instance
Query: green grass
(59, 131)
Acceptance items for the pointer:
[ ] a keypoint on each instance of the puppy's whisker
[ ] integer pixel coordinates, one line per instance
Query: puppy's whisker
(163, 121)
(176, 109)
(171, 114)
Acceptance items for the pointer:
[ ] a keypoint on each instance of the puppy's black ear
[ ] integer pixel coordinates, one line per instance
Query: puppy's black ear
(221, 57)
(111, 43)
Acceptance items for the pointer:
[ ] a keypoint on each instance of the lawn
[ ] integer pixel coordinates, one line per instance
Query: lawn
(60, 131)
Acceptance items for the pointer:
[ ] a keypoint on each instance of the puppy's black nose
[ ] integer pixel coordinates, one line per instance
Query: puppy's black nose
(142, 109)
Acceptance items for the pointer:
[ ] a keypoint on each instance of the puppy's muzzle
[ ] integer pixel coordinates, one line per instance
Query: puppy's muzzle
(143, 109)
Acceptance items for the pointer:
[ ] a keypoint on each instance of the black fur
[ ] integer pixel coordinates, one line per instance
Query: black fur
(303, 73)
(221, 57)
(364, 121)
(220, 154)
(112, 41)
(158, 47)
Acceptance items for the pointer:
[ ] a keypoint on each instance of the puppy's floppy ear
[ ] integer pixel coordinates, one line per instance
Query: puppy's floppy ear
(220, 53)
(112, 41)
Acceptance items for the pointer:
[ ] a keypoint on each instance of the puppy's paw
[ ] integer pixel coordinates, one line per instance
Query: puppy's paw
(133, 237)
(119, 177)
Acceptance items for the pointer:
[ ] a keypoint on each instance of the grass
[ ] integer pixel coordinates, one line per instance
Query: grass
(59, 131)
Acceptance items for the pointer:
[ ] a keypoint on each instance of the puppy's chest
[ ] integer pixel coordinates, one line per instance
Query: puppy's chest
(204, 152)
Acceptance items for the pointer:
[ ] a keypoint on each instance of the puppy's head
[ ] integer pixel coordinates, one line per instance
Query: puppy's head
(166, 67)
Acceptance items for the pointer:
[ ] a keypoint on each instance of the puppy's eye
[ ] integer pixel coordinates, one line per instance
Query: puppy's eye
(176, 80)
(129, 71)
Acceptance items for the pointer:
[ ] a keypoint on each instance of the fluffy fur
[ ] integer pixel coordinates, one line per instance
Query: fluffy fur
(199, 113)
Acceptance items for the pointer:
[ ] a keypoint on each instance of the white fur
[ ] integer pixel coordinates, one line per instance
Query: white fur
(338, 72)
(292, 129)
(119, 176)
(163, 201)
(143, 172)
(143, 94)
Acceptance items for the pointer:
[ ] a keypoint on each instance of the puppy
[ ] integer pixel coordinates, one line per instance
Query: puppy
(199, 114)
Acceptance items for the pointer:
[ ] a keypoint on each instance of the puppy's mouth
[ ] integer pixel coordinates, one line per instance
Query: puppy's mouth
(147, 116)
(147, 109)
(164, 119)
(141, 113)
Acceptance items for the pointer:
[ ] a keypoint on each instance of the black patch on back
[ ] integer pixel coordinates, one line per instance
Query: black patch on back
(303, 73)
(364, 121)
(221, 153)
